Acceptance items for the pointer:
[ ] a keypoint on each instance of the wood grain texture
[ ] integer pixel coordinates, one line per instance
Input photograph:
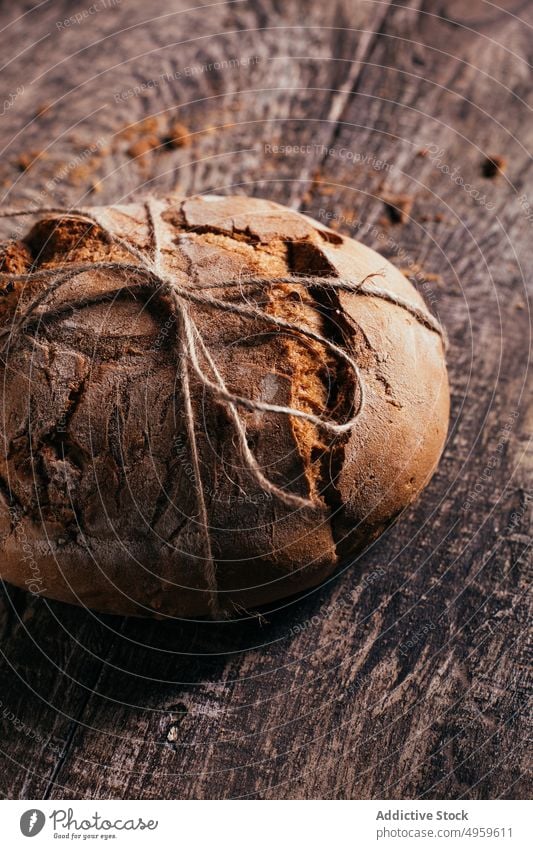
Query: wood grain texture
(407, 675)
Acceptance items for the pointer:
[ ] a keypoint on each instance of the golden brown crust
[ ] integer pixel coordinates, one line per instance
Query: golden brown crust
(96, 462)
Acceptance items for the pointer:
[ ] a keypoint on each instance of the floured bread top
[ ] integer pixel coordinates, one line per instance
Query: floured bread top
(93, 405)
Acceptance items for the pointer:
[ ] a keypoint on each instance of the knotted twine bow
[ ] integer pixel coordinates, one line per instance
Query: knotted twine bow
(148, 271)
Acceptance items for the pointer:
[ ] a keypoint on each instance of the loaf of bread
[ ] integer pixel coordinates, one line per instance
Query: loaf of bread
(208, 404)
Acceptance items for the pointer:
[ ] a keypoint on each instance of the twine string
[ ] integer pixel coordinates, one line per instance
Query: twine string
(209, 565)
(147, 272)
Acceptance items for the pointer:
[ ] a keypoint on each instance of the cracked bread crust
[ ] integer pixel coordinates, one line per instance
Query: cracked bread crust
(95, 475)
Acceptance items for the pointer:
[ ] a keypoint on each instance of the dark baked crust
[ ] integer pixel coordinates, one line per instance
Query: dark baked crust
(97, 502)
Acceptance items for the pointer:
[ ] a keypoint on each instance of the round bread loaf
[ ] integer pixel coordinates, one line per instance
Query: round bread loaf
(135, 479)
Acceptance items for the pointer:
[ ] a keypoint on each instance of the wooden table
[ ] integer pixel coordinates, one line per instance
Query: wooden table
(406, 676)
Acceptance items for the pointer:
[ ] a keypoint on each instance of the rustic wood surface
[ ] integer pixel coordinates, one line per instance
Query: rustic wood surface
(407, 675)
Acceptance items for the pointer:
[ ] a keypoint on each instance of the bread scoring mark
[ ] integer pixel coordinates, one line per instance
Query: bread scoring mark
(339, 391)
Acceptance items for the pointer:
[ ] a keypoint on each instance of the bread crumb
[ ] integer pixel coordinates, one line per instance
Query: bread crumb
(398, 207)
(148, 126)
(418, 272)
(177, 136)
(81, 173)
(29, 158)
(42, 109)
(143, 146)
(493, 165)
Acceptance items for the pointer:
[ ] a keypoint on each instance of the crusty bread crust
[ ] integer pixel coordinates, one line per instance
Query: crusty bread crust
(97, 497)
